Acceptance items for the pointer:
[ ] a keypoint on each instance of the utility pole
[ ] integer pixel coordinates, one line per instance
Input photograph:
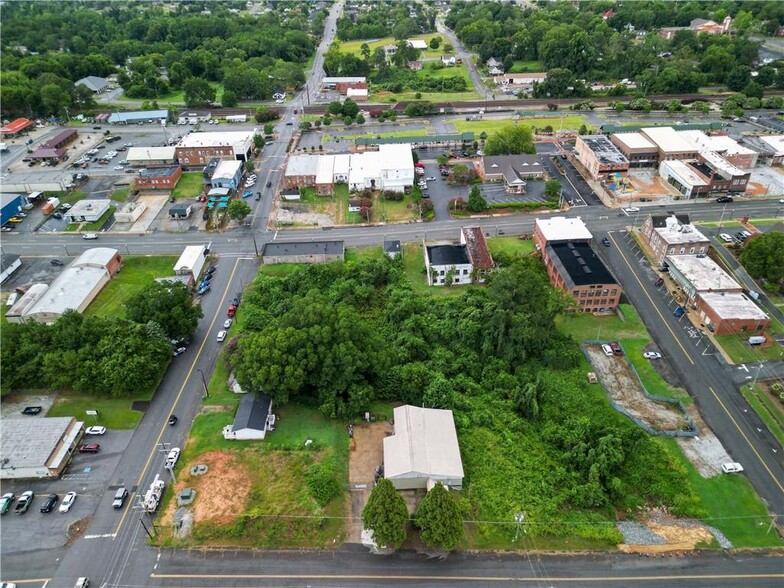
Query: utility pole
(204, 382)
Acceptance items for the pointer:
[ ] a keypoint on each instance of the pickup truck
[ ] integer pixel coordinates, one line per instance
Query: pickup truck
(171, 459)
(25, 500)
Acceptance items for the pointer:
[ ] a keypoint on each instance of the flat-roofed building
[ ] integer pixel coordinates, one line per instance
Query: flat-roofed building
(670, 144)
(324, 176)
(301, 171)
(227, 174)
(100, 257)
(448, 265)
(342, 84)
(560, 229)
(697, 274)
(151, 155)
(776, 145)
(723, 145)
(302, 252)
(721, 174)
(673, 235)
(38, 447)
(191, 261)
(88, 210)
(197, 149)
(684, 177)
(158, 178)
(599, 156)
(138, 116)
(520, 80)
(730, 313)
(637, 149)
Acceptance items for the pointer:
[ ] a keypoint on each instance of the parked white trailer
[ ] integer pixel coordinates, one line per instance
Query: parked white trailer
(153, 496)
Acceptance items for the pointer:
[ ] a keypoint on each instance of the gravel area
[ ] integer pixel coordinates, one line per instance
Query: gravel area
(638, 534)
(723, 541)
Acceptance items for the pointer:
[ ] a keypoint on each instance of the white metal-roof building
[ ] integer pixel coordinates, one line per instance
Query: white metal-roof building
(191, 261)
(417, 44)
(74, 289)
(423, 450)
(671, 145)
(723, 145)
(16, 314)
(138, 116)
(37, 447)
(151, 155)
(698, 274)
(559, 229)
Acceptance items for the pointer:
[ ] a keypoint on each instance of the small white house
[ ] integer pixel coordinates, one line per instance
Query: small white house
(443, 261)
(253, 419)
(448, 60)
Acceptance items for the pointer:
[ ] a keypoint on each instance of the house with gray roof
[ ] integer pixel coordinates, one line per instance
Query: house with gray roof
(252, 420)
(94, 84)
(513, 170)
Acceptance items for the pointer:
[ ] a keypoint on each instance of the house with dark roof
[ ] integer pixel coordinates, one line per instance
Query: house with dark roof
(392, 248)
(302, 252)
(94, 84)
(252, 420)
(464, 263)
(180, 210)
(513, 170)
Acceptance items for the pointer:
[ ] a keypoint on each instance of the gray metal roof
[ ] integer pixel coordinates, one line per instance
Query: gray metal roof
(392, 246)
(95, 83)
(138, 116)
(279, 248)
(252, 412)
(29, 442)
(7, 260)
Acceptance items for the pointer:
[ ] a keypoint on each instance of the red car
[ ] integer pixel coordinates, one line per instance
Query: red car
(616, 348)
(232, 311)
(89, 448)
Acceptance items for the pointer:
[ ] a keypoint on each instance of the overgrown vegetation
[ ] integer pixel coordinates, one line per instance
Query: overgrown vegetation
(533, 434)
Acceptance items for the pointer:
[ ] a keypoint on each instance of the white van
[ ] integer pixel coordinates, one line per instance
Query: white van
(757, 340)
(607, 350)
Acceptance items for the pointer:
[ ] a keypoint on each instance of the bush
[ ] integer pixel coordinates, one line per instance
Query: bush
(392, 195)
(322, 482)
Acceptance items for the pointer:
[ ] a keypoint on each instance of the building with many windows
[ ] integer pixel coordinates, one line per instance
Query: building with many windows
(599, 156)
(673, 235)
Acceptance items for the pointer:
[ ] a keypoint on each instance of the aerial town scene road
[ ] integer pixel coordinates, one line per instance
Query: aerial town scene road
(391, 294)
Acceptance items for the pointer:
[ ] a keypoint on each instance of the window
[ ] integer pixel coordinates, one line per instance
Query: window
(613, 292)
(683, 250)
(441, 273)
(691, 251)
(576, 293)
(583, 293)
(465, 272)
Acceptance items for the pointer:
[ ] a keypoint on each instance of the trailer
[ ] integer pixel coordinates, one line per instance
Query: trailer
(153, 496)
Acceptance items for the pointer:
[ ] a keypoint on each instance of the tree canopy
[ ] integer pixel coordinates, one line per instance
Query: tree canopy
(510, 140)
(386, 515)
(168, 304)
(238, 210)
(439, 520)
(763, 257)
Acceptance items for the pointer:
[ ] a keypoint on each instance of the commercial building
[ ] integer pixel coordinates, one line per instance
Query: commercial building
(55, 149)
(512, 170)
(252, 420)
(16, 127)
(88, 210)
(775, 143)
(95, 84)
(637, 149)
(699, 26)
(9, 263)
(180, 210)
(723, 145)
(302, 252)
(158, 178)
(191, 261)
(342, 84)
(138, 117)
(699, 274)
(684, 177)
(573, 266)
(722, 175)
(730, 313)
(74, 289)
(38, 447)
(520, 80)
(227, 174)
(357, 94)
(197, 149)
(424, 450)
(301, 171)
(599, 156)
(130, 212)
(670, 144)
(10, 204)
(673, 235)
(151, 156)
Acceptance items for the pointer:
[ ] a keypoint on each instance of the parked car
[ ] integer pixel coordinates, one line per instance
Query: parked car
(247, 194)
(607, 350)
(172, 420)
(171, 459)
(221, 336)
(658, 282)
(269, 184)
(731, 468)
(49, 503)
(89, 236)
(652, 355)
(89, 448)
(95, 430)
(606, 242)
(82, 582)
(6, 501)
(227, 323)
(32, 410)
(179, 351)
(67, 502)
(119, 497)
(616, 348)
(232, 311)
(725, 237)
(632, 209)
(724, 199)
(25, 500)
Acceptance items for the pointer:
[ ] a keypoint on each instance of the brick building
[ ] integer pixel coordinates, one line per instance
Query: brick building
(673, 235)
(197, 149)
(158, 178)
(637, 149)
(599, 156)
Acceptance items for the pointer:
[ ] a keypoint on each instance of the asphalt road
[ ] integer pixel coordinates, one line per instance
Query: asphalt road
(465, 55)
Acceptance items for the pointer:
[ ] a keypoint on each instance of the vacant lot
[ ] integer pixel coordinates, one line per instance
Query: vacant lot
(191, 185)
(490, 126)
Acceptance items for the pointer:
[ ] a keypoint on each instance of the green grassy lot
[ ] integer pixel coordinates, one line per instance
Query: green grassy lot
(521, 66)
(431, 96)
(731, 504)
(355, 47)
(765, 407)
(113, 413)
(191, 185)
(120, 194)
(137, 272)
(587, 327)
(739, 350)
(178, 97)
(509, 246)
(447, 72)
(414, 266)
(646, 370)
(367, 135)
(490, 126)
(361, 253)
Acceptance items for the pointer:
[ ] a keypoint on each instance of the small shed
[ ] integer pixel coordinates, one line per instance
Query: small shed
(253, 419)
(180, 210)
(392, 248)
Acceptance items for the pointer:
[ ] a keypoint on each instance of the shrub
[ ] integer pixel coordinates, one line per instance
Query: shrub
(322, 482)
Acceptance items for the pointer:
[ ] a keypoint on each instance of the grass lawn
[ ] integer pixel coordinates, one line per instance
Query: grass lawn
(191, 184)
(732, 505)
(645, 368)
(521, 66)
(509, 246)
(137, 272)
(764, 406)
(739, 350)
(431, 96)
(179, 96)
(368, 135)
(355, 47)
(120, 194)
(113, 413)
(393, 210)
(362, 253)
(414, 266)
(490, 126)
(460, 71)
(94, 226)
(584, 326)
(69, 197)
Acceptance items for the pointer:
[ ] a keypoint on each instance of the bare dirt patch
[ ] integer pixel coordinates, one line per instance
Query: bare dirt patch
(221, 493)
(705, 451)
(677, 535)
(623, 388)
(367, 452)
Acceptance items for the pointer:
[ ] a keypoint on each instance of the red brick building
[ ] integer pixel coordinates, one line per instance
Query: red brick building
(158, 178)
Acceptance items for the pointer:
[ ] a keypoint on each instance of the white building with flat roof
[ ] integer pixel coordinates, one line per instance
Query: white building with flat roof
(88, 210)
(696, 274)
(151, 155)
(635, 140)
(723, 145)
(671, 145)
(559, 229)
(683, 177)
(191, 261)
(776, 144)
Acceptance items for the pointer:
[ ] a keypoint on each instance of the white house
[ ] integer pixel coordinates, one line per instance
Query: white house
(444, 260)
(253, 419)
(448, 60)
(424, 449)
(417, 44)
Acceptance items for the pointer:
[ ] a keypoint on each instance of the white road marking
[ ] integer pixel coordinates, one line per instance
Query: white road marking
(104, 536)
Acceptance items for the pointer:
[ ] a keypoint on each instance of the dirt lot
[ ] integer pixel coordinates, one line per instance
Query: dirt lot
(705, 451)
(622, 387)
(367, 452)
(14, 404)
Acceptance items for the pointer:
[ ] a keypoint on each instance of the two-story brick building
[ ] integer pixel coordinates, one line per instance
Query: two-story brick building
(673, 235)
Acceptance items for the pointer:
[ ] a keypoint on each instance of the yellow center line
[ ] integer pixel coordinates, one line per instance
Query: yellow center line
(31, 581)
(394, 577)
(648, 296)
(176, 400)
(748, 441)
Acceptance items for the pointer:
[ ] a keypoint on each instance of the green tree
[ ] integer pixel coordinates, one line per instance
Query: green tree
(349, 108)
(753, 90)
(386, 515)
(476, 203)
(198, 92)
(238, 210)
(168, 304)
(738, 78)
(439, 393)
(364, 49)
(360, 119)
(435, 42)
(510, 140)
(552, 190)
(54, 99)
(439, 520)
(418, 108)
(335, 107)
(763, 257)
(229, 99)
(268, 129)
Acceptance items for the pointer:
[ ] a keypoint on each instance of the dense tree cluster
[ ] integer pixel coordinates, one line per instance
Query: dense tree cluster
(101, 356)
(341, 336)
(57, 43)
(763, 257)
(385, 18)
(576, 45)
(168, 304)
(510, 140)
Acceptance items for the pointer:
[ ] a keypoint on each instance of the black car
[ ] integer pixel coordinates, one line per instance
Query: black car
(49, 503)
(57, 262)
(269, 184)
(724, 199)
(33, 410)
(173, 420)
(606, 242)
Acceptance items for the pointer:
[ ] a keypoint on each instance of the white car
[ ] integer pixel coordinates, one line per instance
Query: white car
(89, 236)
(632, 209)
(731, 468)
(430, 179)
(725, 237)
(607, 350)
(221, 336)
(171, 459)
(95, 431)
(67, 502)
(227, 323)
(118, 168)
(651, 355)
